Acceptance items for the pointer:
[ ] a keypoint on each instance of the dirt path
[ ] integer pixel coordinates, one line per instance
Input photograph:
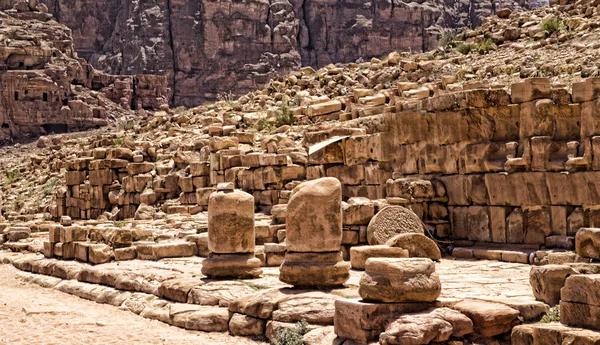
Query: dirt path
(32, 315)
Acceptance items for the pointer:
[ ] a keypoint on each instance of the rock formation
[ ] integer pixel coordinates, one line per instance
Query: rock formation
(48, 89)
(209, 47)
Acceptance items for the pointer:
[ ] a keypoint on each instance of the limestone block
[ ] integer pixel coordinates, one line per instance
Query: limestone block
(368, 319)
(587, 243)
(100, 253)
(320, 269)
(530, 89)
(240, 266)
(358, 211)
(314, 211)
(546, 282)
(231, 222)
(324, 108)
(400, 280)
(244, 325)
(360, 254)
(489, 319)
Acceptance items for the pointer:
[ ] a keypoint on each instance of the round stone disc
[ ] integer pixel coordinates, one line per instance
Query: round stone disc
(391, 221)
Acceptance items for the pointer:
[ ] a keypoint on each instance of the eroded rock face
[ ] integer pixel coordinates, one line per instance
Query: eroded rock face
(47, 88)
(210, 47)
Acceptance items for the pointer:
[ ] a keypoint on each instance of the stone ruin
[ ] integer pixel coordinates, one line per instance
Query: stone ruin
(48, 89)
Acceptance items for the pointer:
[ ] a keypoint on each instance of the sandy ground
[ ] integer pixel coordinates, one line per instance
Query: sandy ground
(31, 315)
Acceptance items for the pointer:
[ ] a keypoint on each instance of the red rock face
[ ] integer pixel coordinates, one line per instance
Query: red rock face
(47, 88)
(209, 47)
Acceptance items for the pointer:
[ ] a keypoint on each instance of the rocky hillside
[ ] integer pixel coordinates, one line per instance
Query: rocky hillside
(211, 47)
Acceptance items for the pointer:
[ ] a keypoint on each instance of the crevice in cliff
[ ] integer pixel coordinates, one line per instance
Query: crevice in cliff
(271, 27)
(172, 47)
(422, 33)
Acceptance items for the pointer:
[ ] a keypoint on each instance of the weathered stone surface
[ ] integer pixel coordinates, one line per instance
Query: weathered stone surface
(489, 319)
(314, 269)
(315, 212)
(231, 222)
(400, 280)
(418, 245)
(587, 243)
(360, 254)
(580, 301)
(240, 266)
(391, 221)
(437, 325)
(546, 282)
(244, 325)
(362, 321)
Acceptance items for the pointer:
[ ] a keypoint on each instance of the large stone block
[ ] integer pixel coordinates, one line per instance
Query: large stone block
(489, 319)
(360, 254)
(314, 216)
(546, 282)
(362, 321)
(400, 280)
(314, 269)
(231, 222)
(587, 243)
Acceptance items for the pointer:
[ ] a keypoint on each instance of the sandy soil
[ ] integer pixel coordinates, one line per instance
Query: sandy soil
(31, 315)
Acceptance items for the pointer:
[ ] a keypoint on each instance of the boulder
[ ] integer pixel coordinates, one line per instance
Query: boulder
(417, 245)
(400, 280)
(391, 221)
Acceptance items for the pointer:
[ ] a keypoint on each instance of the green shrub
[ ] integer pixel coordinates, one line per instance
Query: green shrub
(292, 336)
(49, 186)
(118, 141)
(465, 48)
(486, 45)
(284, 116)
(12, 176)
(553, 315)
(552, 24)
(446, 38)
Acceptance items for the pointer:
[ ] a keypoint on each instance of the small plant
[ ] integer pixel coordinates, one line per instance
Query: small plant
(284, 116)
(264, 125)
(11, 176)
(486, 45)
(552, 25)
(466, 48)
(227, 97)
(19, 202)
(248, 284)
(553, 315)
(446, 38)
(179, 110)
(49, 186)
(292, 336)
(129, 125)
(118, 141)
(120, 223)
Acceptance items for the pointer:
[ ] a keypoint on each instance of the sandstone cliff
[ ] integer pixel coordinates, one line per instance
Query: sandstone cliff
(209, 47)
(47, 88)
